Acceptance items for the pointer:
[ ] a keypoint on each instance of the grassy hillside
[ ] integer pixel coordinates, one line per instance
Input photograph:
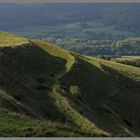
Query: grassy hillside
(83, 96)
(7, 39)
(56, 51)
(101, 88)
(22, 126)
(129, 60)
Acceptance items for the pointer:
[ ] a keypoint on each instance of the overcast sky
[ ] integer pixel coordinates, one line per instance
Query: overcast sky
(42, 1)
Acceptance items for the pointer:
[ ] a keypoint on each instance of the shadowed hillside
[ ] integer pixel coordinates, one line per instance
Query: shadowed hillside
(81, 95)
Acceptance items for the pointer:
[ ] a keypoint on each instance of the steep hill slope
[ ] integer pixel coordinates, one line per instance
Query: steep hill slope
(84, 96)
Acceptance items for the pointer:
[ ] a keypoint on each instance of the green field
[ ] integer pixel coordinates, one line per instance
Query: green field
(101, 28)
(68, 29)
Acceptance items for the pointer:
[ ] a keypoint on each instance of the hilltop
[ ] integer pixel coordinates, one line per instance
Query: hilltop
(11, 40)
(48, 91)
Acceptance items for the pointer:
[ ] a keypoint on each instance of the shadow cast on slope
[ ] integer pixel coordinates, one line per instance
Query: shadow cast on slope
(96, 89)
(126, 102)
(27, 74)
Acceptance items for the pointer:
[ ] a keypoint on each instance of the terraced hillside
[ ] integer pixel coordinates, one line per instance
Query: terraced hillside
(83, 96)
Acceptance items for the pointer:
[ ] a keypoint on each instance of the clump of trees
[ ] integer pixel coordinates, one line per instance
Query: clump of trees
(89, 46)
(104, 57)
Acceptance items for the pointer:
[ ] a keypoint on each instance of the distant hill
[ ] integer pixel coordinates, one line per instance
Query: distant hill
(122, 16)
(91, 47)
(48, 91)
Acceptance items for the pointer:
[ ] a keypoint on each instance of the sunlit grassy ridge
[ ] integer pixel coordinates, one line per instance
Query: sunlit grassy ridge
(56, 51)
(129, 60)
(128, 71)
(7, 39)
(84, 96)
